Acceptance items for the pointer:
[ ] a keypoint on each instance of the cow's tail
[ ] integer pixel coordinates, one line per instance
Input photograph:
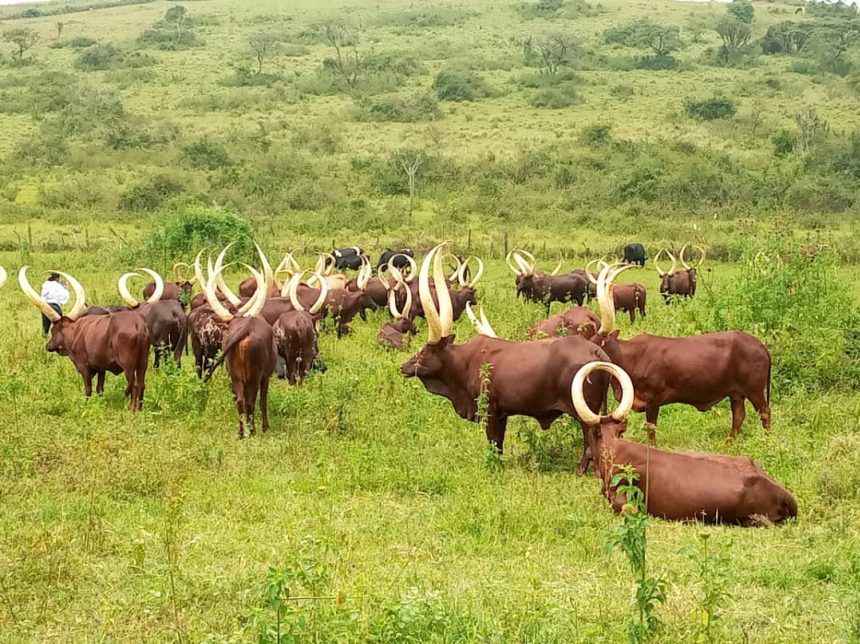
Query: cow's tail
(231, 344)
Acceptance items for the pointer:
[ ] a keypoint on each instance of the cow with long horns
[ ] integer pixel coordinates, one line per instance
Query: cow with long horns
(395, 334)
(248, 351)
(536, 286)
(678, 283)
(165, 319)
(296, 333)
(628, 298)
(116, 342)
(701, 370)
(681, 486)
(525, 378)
(178, 290)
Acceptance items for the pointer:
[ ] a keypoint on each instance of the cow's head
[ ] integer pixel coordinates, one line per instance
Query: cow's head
(666, 278)
(62, 336)
(62, 327)
(430, 361)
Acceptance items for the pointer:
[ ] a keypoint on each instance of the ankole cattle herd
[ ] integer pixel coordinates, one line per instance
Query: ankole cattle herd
(571, 363)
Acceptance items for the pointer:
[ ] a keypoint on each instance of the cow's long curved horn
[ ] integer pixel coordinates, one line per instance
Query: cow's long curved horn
(660, 271)
(80, 296)
(198, 271)
(604, 295)
(674, 266)
(483, 325)
(268, 273)
(588, 272)
(478, 274)
(293, 288)
(392, 305)
(259, 297)
(124, 293)
(702, 258)
(509, 261)
(681, 257)
(222, 285)
(455, 276)
(413, 266)
(446, 310)
(380, 275)
(35, 299)
(315, 308)
(217, 307)
(578, 395)
(364, 273)
(557, 268)
(3, 276)
(177, 272)
(525, 266)
(488, 329)
(159, 285)
(434, 324)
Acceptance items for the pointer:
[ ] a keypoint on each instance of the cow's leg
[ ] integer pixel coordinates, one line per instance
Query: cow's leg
(264, 402)
(496, 428)
(100, 382)
(250, 406)
(651, 413)
(88, 382)
(738, 415)
(642, 309)
(157, 362)
(582, 468)
(632, 314)
(239, 395)
(179, 349)
(759, 401)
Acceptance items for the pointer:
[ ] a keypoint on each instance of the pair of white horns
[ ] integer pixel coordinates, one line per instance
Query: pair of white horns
(577, 392)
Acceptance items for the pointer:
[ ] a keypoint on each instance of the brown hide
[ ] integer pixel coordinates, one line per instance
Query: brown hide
(575, 320)
(296, 339)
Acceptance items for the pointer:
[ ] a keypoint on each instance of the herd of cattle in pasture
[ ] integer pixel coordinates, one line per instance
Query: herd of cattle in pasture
(567, 365)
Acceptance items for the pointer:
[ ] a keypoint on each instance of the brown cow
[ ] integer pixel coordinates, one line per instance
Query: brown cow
(680, 486)
(116, 342)
(575, 320)
(536, 286)
(178, 290)
(627, 297)
(677, 283)
(207, 335)
(165, 319)
(700, 371)
(525, 378)
(394, 334)
(248, 351)
(296, 332)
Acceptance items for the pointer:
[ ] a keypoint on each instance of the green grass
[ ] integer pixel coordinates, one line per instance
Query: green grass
(369, 494)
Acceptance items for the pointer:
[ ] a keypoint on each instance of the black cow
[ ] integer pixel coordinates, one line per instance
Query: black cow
(635, 254)
(347, 258)
(399, 261)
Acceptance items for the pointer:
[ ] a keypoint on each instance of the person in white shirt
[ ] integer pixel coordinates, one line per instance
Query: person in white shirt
(56, 295)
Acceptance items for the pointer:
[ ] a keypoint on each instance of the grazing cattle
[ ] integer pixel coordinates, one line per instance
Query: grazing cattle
(207, 335)
(115, 342)
(397, 258)
(677, 283)
(536, 286)
(635, 254)
(178, 290)
(524, 378)
(375, 294)
(165, 319)
(394, 334)
(249, 285)
(700, 370)
(344, 304)
(248, 351)
(575, 320)
(680, 486)
(347, 258)
(628, 298)
(296, 334)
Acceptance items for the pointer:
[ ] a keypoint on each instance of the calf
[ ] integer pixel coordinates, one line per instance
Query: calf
(681, 486)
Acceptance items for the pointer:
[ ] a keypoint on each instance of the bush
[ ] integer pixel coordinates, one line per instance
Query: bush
(78, 42)
(424, 17)
(206, 155)
(191, 229)
(783, 143)
(150, 195)
(596, 135)
(98, 57)
(400, 109)
(246, 77)
(459, 85)
(718, 107)
(554, 98)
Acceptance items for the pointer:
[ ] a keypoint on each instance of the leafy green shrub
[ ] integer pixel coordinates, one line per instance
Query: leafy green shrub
(98, 57)
(460, 85)
(174, 32)
(657, 63)
(742, 10)
(783, 143)
(718, 107)
(78, 42)
(554, 98)
(596, 135)
(206, 155)
(150, 195)
(400, 109)
(191, 229)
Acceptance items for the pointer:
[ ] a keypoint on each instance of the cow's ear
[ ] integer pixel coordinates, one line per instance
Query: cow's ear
(615, 333)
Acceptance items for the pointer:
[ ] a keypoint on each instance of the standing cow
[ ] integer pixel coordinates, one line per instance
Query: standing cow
(635, 254)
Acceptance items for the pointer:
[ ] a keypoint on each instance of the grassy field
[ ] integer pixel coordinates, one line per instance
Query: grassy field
(379, 513)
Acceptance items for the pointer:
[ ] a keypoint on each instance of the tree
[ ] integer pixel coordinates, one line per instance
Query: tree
(661, 39)
(264, 45)
(554, 50)
(348, 61)
(785, 38)
(832, 40)
(811, 129)
(24, 39)
(742, 10)
(734, 34)
(410, 162)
